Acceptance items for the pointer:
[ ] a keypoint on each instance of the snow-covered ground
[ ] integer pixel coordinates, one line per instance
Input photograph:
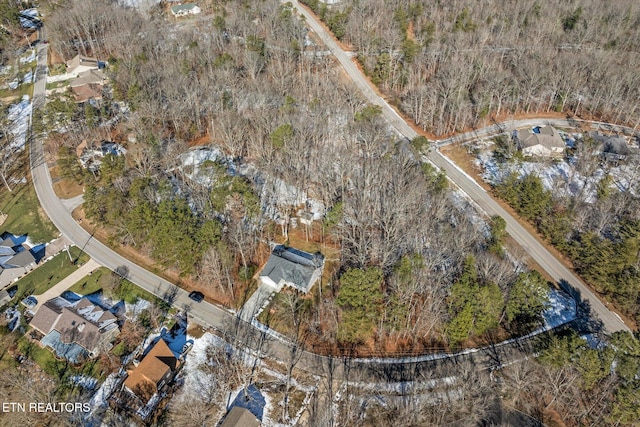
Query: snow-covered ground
(275, 193)
(99, 399)
(261, 403)
(561, 308)
(29, 58)
(88, 383)
(558, 177)
(19, 115)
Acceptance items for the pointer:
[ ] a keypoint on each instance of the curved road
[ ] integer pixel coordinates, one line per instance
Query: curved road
(220, 319)
(611, 321)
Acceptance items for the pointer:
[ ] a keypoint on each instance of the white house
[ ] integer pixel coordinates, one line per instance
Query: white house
(185, 9)
(540, 142)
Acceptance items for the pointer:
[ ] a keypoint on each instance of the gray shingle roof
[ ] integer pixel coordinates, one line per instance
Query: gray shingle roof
(292, 266)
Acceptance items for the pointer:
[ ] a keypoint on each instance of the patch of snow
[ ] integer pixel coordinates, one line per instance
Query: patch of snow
(86, 382)
(593, 341)
(561, 309)
(13, 318)
(19, 115)
(558, 177)
(99, 399)
(133, 310)
(139, 4)
(30, 58)
(28, 77)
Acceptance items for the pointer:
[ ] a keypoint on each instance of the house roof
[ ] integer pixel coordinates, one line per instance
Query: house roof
(181, 8)
(6, 251)
(82, 322)
(144, 379)
(8, 242)
(23, 258)
(547, 136)
(4, 296)
(88, 77)
(240, 417)
(87, 91)
(79, 60)
(292, 266)
(48, 314)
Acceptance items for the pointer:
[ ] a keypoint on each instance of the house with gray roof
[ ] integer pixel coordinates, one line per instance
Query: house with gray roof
(292, 267)
(185, 9)
(75, 330)
(16, 259)
(540, 142)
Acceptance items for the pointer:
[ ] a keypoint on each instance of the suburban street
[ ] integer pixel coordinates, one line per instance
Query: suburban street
(611, 321)
(247, 335)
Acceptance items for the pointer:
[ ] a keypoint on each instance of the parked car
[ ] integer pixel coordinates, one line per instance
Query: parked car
(196, 296)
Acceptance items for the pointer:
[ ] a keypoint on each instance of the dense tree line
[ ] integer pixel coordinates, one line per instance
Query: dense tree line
(455, 64)
(600, 236)
(242, 80)
(588, 383)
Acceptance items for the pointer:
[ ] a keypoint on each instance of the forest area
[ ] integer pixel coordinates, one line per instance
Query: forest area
(459, 64)
(418, 270)
(241, 81)
(600, 236)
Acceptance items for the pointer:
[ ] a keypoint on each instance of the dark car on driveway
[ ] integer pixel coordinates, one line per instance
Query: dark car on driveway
(196, 296)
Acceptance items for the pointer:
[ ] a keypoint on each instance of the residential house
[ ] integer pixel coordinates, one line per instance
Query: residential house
(5, 297)
(146, 384)
(292, 267)
(611, 147)
(185, 9)
(75, 330)
(88, 77)
(87, 93)
(80, 64)
(16, 259)
(240, 417)
(540, 142)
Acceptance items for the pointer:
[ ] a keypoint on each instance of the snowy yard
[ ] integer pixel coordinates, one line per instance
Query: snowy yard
(263, 397)
(559, 176)
(19, 116)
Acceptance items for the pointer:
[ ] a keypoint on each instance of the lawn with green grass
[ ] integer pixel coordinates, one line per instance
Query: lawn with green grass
(50, 273)
(100, 280)
(24, 215)
(57, 368)
(93, 282)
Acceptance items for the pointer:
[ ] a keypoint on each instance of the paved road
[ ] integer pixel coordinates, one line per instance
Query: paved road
(232, 328)
(611, 321)
(218, 318)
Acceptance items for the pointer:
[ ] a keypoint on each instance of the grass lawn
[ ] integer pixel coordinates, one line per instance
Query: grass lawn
(23, 89)
(24, 215)
(126, 290)
(57, 368)
(50, 273)
(56, 85)
(92, 283)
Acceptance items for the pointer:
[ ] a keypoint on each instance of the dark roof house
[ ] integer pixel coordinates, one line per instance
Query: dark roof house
(75, 330)
(292, 267)
(15, 259)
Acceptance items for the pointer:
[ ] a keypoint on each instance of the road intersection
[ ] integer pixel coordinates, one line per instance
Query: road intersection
(225, 321)
(554, 268)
